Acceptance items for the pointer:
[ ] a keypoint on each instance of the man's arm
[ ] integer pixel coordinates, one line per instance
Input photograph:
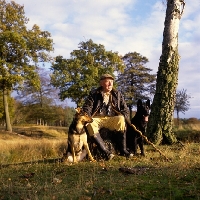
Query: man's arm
(88, 105)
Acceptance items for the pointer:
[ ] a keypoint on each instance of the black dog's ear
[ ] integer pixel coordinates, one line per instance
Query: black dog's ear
(139, 102)
(148, 103)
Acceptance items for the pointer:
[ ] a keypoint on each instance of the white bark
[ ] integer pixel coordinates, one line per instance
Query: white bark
(173, 15)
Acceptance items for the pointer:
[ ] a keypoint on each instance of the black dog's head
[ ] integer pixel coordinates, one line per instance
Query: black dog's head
(141, 117)
(143, 109)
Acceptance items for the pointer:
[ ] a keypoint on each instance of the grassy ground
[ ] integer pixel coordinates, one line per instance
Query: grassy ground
(30, 168)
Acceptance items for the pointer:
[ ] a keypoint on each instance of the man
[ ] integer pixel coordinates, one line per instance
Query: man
(108, 109)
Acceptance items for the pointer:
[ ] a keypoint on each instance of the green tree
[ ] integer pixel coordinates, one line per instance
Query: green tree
(69, 115)
(11, 102)
(181, 102)
(39, 104)
(55, 115)
(20, 113)
(160, 123)
(135, 82)
(76, 76)
(63, 115)
(20, 51)
(40, 100)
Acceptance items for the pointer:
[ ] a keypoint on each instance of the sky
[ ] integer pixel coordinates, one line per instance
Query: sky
(123, 27)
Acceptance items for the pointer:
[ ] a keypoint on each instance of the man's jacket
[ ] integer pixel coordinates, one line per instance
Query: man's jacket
(94, 103)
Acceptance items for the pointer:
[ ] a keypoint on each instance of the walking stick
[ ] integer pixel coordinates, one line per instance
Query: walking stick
(145, 138)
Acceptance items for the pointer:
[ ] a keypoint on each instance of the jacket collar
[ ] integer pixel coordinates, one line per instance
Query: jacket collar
(100, 90)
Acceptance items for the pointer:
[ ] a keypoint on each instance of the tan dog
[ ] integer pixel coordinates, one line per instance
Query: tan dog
(77, 137)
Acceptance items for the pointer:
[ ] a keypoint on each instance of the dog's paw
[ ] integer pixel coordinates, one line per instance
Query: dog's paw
(75, 160)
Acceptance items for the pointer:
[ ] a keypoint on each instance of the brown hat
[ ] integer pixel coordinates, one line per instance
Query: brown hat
(104, 76)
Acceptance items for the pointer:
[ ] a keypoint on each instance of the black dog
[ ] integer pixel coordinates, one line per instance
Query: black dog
(140, 121)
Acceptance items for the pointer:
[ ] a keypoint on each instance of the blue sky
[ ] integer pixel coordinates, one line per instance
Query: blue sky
(123, 26)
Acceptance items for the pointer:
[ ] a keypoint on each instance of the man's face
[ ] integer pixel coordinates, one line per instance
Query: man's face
(107, 84)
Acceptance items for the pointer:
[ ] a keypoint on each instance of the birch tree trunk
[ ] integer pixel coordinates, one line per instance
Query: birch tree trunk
(161, 117)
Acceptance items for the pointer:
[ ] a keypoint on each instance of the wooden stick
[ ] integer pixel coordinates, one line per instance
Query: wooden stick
(146, 139)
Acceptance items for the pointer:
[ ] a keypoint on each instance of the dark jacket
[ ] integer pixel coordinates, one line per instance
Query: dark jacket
(94, 103)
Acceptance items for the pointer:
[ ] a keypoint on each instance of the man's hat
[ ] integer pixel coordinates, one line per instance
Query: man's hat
(104, 76)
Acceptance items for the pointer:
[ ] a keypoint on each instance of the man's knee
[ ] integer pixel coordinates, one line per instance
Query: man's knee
(120, 123)
(121, 118)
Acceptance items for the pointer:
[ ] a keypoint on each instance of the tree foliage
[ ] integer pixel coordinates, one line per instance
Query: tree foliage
(51, 115)
(39, 99)
(76, 76)
(136, 82)
(181, 102)
(41, 105)
(20, 50)
(38, 95)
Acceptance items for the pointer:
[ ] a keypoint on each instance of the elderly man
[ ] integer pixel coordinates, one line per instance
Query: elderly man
(108, 109)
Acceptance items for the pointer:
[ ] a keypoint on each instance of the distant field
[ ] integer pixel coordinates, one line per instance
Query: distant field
(188, 132)
(30, 168)
(32, 143)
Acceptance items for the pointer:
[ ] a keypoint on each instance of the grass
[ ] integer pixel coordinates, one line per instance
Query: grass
(188, 132)
(35, 172)
(26, 147)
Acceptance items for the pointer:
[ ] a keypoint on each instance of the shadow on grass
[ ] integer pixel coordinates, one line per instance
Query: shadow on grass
(44, 161)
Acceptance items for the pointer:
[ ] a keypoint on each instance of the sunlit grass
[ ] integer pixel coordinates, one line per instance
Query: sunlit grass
(188, 127)
(17, 148)
(155, 178)
(30, 169)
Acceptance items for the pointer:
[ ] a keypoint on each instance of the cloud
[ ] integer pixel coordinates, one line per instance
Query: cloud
(122, 26)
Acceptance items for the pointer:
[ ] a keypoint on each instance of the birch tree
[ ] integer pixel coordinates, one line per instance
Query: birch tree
(161, 117)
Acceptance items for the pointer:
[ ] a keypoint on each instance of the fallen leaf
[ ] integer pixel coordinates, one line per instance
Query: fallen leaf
(56, 180)
(29, 175)
(85, 198)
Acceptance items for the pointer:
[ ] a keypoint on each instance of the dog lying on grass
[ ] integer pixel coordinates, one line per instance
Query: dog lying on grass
(77, 138)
